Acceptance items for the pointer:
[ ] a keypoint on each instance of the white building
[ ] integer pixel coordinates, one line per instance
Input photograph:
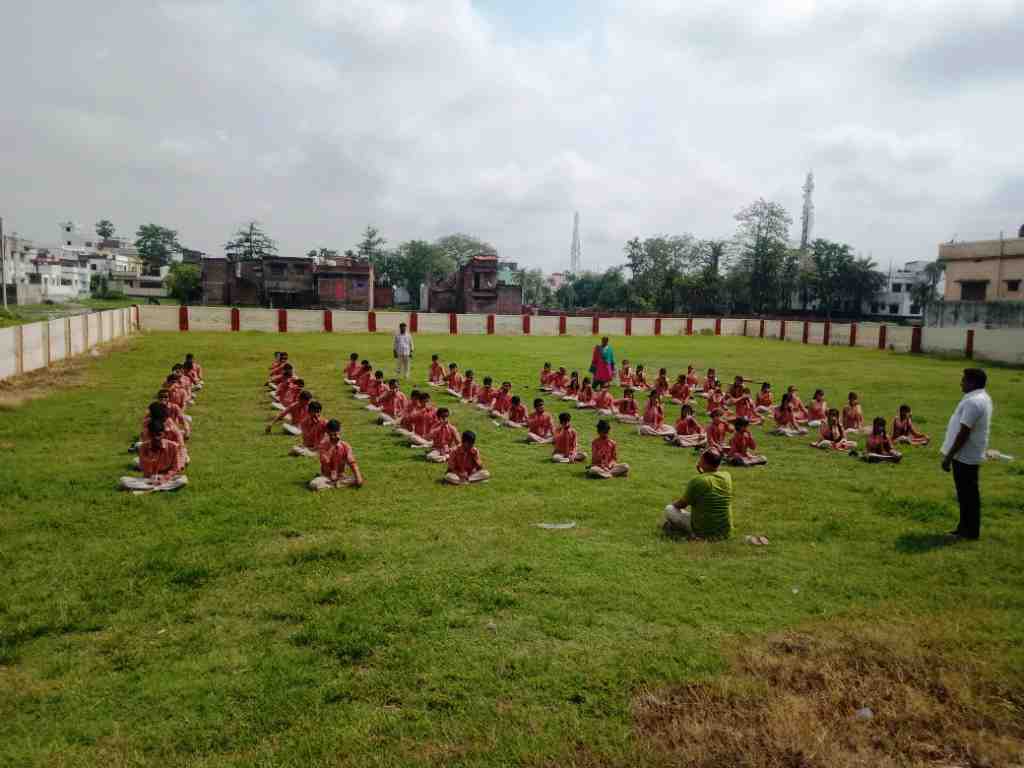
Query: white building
(896, 299)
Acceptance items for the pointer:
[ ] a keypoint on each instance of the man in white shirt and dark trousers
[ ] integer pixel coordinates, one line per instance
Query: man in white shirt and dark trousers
(403, 351)
(964, 448)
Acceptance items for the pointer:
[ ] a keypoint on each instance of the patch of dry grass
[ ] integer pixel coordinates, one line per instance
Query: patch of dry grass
(791, 701)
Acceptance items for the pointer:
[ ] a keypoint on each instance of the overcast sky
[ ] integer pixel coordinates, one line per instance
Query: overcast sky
(500, 118)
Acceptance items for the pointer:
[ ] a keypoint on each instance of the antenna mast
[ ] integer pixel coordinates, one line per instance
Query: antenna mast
(576, 251)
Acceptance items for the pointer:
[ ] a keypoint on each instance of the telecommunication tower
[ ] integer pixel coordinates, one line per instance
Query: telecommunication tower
(576, 251)
(807, 218)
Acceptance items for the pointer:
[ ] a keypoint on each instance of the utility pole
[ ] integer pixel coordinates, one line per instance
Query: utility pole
(3, 261)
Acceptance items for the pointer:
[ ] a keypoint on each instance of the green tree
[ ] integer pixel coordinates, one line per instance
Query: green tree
(924, 292)
(762, 234)
(184, 282)
(105, 229)
(658, 265)
(863, 281)
(565, 296)
(156, 245)
(249, 244)
(418, 262)
(462, 247)
(536, 290)
(833, 268)
(613, 293)
(324, 254)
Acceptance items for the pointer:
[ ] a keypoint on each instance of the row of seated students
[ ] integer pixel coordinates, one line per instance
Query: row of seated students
(430, 428)
(163, 455)
(302, 415)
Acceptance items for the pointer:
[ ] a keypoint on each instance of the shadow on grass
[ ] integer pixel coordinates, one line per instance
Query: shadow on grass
(919, 543)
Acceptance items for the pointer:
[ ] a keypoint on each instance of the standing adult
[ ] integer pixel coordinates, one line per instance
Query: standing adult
(602, 363)
(705, 509)
(963, 450)
(404, 348)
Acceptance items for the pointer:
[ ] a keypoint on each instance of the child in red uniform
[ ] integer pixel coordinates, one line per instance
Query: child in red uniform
(454, 380)
(567, 443)
(785, 420)
(603, 400)
(436, 376)
(335, 457)
(680, 391)
(585, 399)
(374, 388)
(817, 410)
(174, 413)
(404, 425)
(282, 386)
(879, 447)
(392, 404)
(745, 407)
(654, 418)
(545, 378)
(604, 453)
(363, 375)
(831, 435)
(541, 430)
(853, 416)
(716, 401)
(352, 369)
(799, 409)
(502, 401)
(742, 446)
(314, 430)
(718, 432)
(465, 465)
(903, 430)
(661, 383)
(764, 398)
(640, 378)
(572, 389)
(423, 424)
(517, 416)
(296, 413)
(626, 374)
(692, 380)
(159, 460)
(194, 371)
(710, 381)
(158, 413)
(469, 388)
(444, 438)
(689, 433)
(625, 408)
(485, 397)
(735, 391)
(558, 381)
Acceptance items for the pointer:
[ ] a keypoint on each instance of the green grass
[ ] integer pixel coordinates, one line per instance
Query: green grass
(34, 313)
(247, 621)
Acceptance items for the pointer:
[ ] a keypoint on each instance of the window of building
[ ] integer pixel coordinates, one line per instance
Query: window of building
(897, 287)
(874, 307)
(34, 279)
(476, 281)
(65, 281)
(915, 309)
(973, 290)
(277, 270)
(92, 267)
(894, 309)
(69, 242)
(1013, 285)
(67, 229)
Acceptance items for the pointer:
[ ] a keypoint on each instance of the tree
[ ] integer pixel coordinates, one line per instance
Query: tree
(371, 248)
(658, 265)
(324, 254)
(536, 290)
(924, 292)
(613, 293)
(762, 234)
(418, 262)
(250, 243)
(833, 268)
(156, 245)
(462, 248)
(185, 283)
(864, 281)
(105, 229)
(566, 296)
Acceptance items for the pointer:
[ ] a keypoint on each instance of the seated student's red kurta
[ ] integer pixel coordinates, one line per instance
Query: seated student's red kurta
(314, 430)
(469, 389)
(689, 426)
(486, 396)
(654, 415)
(717, 433)
(161, 460)
(817, 410)
(764, 399)
(175, 414)
(903, 428)
(282, 388)
(639, 380)
(426, 420)
(742, 443)
(410, 415)
(680, 391)
(517, 414)
(745, 408)
(298, 410)
(692, 379)
(393, 403)
(661, 384)
(879, 444)
(603, 400)
(709, 383)
(626, 376)
(334, 457)
(572, 389)
(178, 397)
(557, 380)
(352, 369)
(827, 432)
(735, 390)
(455, 381)
(799, 409)
(376, 388)
(716, 401)
(567, 441)
(545, 377)
(626, 406)
(436, 373)
(445, 437)
(852, 417)
(502, 401)
(603, 452)
(586, 394)
(365, 379)
(540, 424)
(291, 394)
(464, 461)
(784, 417)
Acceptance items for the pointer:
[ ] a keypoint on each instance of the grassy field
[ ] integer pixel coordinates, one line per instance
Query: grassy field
(34, 313)
(246, 621)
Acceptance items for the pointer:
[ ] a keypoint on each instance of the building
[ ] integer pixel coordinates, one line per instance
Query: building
(556, 280)
(35, 275)
(476, 289)
(288, 282)
(984, 270)
(896, 298)
(346, 283)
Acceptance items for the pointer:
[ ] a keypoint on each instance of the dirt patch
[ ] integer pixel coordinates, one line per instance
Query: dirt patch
(61, 375)
(800, 700)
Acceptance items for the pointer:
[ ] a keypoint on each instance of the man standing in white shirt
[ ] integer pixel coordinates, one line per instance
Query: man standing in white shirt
(964, 448)
(403, 351)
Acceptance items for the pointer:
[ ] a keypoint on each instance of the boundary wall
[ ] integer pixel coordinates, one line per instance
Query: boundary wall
(29, 347)
(1002, 345)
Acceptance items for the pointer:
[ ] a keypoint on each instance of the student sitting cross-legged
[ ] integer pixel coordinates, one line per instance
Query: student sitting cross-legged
(567, 442)
(335, 457)
(160, 462)
(314, 430)
(541, 429)
(444, 438)
(464, 463)
(604, 454)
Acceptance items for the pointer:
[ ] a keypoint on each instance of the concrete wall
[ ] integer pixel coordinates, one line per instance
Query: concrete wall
(1004, 345)
(992, 314)
(25, 348)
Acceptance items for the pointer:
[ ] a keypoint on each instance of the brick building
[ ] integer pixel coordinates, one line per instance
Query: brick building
(476, 289)
(288, 282)
(348, 284)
